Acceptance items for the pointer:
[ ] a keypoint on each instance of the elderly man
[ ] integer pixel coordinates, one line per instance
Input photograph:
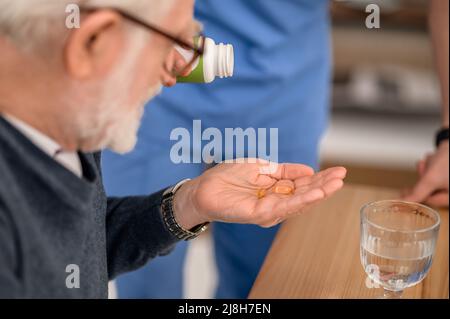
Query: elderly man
(282, 79)
(66, 94)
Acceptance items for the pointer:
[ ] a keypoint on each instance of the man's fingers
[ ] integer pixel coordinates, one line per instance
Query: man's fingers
(332, 186)
(284, 208)
(333, 172)
(274, 207)
(303, 181)
(287, 170)
(271, 223)
(300, 199)
(320, 178)
(330, 174)
(277, 208)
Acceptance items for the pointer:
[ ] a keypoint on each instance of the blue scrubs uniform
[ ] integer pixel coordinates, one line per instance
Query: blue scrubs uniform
(281, 80)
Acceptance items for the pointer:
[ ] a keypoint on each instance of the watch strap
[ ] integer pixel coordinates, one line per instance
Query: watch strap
(441, 136)
(169, 218)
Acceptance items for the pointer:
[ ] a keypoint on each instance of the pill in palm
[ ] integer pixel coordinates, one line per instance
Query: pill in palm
(261, 193)
(285, 190)
(278, 189)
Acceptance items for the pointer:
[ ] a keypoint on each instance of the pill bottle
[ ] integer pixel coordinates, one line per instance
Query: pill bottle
(216, 61)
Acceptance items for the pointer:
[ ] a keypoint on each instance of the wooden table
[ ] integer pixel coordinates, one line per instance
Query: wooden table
(316, 255)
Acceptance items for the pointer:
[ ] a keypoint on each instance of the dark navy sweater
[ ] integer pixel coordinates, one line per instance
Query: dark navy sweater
(50, 219)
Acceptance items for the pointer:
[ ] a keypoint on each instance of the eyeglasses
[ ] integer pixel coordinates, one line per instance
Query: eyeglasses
(197, 49)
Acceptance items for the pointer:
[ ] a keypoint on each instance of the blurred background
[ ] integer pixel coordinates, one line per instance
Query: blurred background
(385, 108)
(386, 99)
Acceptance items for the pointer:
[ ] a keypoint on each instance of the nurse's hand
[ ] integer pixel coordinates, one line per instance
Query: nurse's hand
(173, 65)
(432, 186)
(249, 193)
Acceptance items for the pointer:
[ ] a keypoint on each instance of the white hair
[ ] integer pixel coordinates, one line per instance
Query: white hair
(28, 21)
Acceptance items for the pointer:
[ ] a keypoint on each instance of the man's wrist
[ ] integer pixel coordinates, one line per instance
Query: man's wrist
(185, 210)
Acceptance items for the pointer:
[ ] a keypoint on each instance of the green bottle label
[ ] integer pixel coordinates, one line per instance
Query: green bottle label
(196, 76)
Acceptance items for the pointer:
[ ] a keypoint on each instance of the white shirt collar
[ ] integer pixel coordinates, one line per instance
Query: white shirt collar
(69, 160)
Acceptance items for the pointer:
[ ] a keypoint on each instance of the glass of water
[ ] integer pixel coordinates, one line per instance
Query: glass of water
(398, 241)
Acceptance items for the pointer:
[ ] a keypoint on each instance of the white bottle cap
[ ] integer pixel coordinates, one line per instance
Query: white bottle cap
(217, 60)
(224, 59)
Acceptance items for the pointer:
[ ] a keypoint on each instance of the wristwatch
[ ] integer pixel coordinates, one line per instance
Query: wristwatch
(169, 218)
(441, 136)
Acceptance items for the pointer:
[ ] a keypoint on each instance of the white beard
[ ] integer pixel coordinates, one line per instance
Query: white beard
(122, 137)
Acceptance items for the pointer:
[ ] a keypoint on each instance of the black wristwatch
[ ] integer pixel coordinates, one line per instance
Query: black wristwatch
(441, 136)
(169, 218)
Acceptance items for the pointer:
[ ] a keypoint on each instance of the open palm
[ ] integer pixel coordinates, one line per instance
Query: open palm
(229, 192)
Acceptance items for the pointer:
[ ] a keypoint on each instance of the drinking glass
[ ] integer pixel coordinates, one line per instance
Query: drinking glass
(397, 243)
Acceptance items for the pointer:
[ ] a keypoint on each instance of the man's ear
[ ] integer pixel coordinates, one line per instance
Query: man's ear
(92, 49)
